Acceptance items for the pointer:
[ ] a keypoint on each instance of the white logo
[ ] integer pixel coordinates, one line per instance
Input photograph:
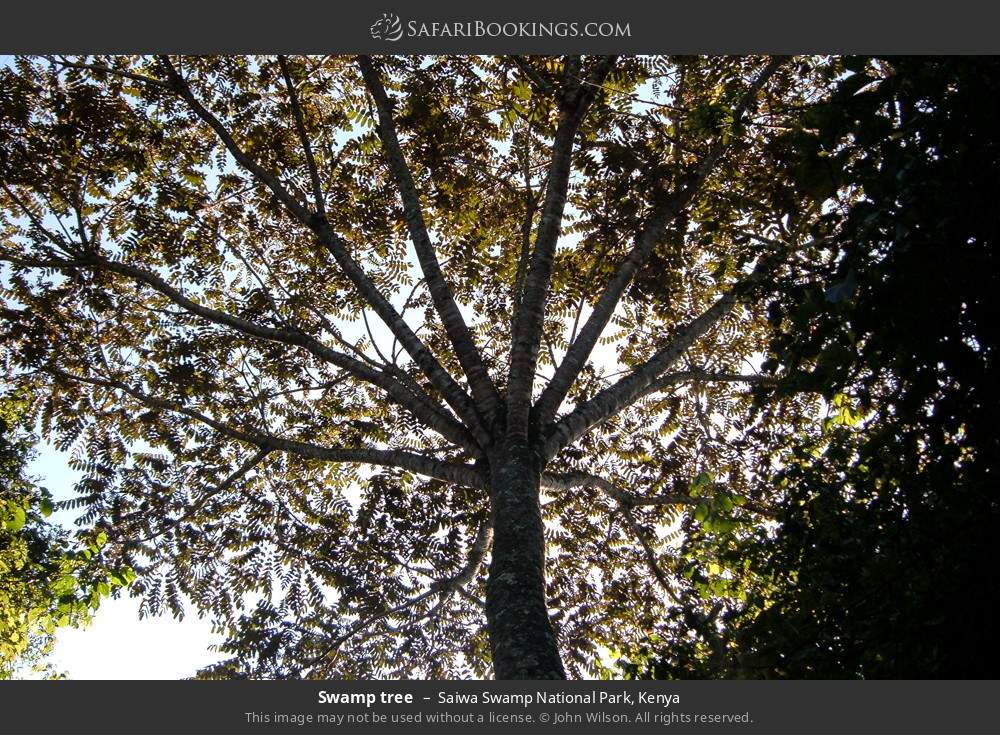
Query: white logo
(387, 28)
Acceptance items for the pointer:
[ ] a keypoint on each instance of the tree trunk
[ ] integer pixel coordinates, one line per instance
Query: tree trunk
(522, 639)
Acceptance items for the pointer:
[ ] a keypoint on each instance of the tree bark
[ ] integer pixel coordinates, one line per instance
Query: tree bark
(522, 639)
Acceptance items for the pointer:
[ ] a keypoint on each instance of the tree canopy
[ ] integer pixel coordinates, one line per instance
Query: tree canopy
(416, 366)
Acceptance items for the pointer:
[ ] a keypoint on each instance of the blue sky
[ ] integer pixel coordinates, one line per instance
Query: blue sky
(117, 644)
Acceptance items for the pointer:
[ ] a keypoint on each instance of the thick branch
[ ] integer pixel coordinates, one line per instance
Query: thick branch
(181, 87)
(338, 247)
(451, 391)
(483, 391)
(613, 399)
(662, 215)
(427, 413)
(460, 474)
(526, 340)
(530, 209)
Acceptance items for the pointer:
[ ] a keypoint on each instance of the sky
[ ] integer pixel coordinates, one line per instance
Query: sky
(117, 644)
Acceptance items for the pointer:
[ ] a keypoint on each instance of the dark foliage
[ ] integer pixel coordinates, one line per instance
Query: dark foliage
(884, 562)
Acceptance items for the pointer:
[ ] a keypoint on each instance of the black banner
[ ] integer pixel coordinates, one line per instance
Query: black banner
(834, 707)
(514, 26)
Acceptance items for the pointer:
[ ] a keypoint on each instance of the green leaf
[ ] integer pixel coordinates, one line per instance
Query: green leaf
(193, 177)
(699, 483)
(16, 520)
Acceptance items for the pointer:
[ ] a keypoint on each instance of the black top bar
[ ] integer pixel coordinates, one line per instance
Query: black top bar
(511, 26)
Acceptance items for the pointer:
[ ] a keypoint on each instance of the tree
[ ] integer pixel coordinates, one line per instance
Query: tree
(347, 331)
(883, 563)
(46, 580)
